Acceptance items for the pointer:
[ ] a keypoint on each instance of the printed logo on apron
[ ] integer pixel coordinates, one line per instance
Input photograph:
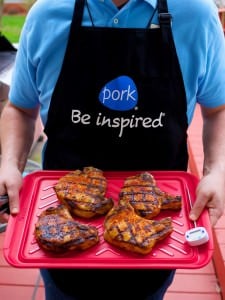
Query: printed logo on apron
(119, 94)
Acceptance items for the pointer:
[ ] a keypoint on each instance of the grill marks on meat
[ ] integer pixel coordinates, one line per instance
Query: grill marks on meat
(127, 225)
(123, 228)
(56, 231)
(83, 193)
(90, 178)
(147, 199)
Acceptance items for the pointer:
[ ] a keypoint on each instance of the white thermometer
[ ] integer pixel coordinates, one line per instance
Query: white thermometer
(198, 235)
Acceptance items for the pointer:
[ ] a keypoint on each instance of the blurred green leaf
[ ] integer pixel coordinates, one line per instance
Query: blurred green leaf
(11, 26)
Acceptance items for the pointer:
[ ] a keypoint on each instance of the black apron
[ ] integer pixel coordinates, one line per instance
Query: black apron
(119, 104)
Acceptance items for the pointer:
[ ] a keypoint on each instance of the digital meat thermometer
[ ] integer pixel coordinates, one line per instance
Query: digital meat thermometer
(198, 235)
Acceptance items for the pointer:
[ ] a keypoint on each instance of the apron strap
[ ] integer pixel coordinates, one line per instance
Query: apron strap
(78, 11)
(165, 21)
(75, 24)
(77, 18)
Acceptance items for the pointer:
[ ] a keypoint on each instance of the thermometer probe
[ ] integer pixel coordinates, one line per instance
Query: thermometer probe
(198, 235)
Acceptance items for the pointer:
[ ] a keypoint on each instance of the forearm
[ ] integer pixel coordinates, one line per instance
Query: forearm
(214, 141)
(16, 131)
(210, 190)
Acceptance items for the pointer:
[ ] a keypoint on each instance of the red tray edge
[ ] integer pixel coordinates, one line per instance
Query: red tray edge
(16, 262)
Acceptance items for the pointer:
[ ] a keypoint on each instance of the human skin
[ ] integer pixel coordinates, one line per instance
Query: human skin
(210, 190)
(17, 131)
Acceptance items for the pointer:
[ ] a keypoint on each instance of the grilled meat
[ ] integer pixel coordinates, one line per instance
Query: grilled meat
(147, 199)
(56, 231)
(83, 192)
(89, 178)
(143, 179)
(123, 228)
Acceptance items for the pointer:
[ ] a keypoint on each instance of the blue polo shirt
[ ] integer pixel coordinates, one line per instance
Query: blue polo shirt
(196, 28)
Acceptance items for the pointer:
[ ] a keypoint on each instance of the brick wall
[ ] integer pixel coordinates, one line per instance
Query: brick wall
(14, 7)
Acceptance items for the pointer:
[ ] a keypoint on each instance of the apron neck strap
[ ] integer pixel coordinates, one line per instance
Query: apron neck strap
(164, 16)
(78, 11)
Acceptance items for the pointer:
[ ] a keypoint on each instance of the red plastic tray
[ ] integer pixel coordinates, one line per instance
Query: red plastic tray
(21, 249)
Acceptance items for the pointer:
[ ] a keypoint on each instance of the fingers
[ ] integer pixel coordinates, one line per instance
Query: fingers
(9, 204)
(10, 183)
(215, 213)
(208, 198)
(199, 205)
(4, 218)
(196, 212)
(14, 203)
(214, 217)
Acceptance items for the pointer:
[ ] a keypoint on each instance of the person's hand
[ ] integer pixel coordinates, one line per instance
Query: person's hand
(210, 194)
(10, 183)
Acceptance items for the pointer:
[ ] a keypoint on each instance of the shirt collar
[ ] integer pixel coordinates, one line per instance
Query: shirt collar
(152, 2)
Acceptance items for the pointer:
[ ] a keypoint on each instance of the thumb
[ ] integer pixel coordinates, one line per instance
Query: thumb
(197, 208)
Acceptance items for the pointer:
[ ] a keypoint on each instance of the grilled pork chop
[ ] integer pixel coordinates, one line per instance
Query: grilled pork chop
(56, 231)
(89, 178)
(147, 199)
(123, 228)
(83, 192)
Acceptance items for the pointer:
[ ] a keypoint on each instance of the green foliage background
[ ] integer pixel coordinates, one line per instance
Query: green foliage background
(11, 26)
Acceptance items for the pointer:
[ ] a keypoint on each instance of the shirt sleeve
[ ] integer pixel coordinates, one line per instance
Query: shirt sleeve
(23, 91)
(211, 83)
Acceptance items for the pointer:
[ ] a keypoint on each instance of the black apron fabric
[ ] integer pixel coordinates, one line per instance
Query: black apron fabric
(78, 137)
(5, 44)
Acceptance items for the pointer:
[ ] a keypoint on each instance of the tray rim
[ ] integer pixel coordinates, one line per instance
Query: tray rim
(17, 260)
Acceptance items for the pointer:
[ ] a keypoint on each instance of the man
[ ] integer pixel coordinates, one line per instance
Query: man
(116, 83)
